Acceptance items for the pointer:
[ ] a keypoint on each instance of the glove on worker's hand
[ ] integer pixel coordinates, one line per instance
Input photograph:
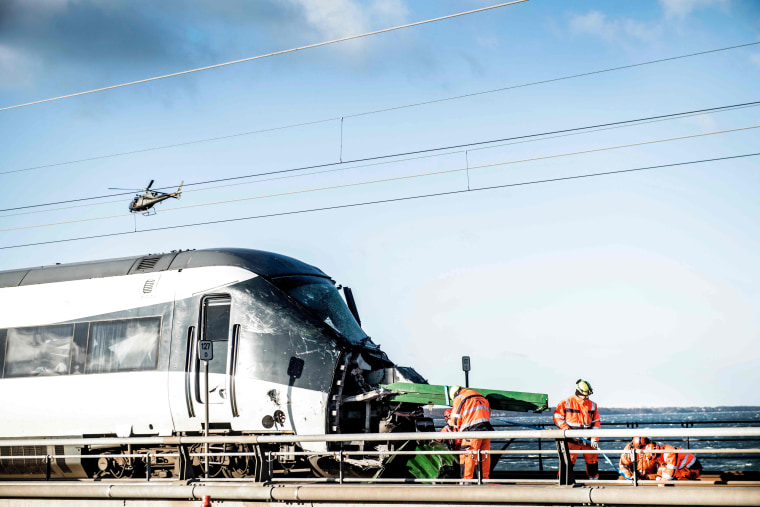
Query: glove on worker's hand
(594, 444)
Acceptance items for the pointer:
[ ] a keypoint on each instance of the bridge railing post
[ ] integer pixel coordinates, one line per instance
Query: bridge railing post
(340, 470)
(566, 476)
(635, 461)
(540, 457)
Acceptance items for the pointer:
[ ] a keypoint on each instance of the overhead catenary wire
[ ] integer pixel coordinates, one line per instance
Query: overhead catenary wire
(554, 80)
(166, 146)
(276, 53)
(397, 178)
(394, 108)
(342, 167)
(394, 155)
(382, 201)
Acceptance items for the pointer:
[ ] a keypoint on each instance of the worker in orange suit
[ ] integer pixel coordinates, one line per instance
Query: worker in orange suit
(578, 412)
(646, 463)
(454, 445)
(676, 464)
(471, 412)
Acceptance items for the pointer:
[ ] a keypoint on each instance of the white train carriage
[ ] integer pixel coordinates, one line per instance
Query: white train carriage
(109, 348)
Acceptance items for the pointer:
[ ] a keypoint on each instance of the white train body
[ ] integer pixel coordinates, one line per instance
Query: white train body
(110, 348)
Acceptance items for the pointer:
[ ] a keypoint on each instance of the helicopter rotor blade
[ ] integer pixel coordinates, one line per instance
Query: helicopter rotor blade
(149, 185)
(119, 188)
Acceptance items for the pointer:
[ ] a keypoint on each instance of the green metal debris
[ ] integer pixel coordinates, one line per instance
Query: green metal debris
(429, 394)
(421, 466)
(431, 465)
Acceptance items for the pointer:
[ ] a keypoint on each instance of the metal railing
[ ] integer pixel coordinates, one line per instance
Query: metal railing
(633, 424)
(716, 458)
(344, 456)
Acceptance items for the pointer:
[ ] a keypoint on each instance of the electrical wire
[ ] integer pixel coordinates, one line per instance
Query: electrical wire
(276, 53)
(156, 148)
(397, 178)
(443, 148)
(554, 80)
(447, 154)
(383, 201)
(325, 120)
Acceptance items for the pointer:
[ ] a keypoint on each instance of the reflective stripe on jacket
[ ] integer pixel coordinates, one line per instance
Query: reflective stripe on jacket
(471, 411)
(577, 414)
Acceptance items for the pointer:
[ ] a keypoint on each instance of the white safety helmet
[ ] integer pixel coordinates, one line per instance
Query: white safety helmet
(453, 390)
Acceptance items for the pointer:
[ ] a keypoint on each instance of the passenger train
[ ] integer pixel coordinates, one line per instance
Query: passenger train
(110, 348)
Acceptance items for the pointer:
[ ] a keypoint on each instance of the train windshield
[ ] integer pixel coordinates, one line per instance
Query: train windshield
(322, 299)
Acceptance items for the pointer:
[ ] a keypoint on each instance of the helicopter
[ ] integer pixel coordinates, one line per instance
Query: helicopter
(149, 198)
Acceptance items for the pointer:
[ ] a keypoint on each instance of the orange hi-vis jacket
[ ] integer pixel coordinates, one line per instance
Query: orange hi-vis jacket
(646, 463)
(577, 414)
(471, 412)
(674, 464)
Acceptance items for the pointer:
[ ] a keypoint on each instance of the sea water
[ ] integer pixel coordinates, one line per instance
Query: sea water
(699, 417)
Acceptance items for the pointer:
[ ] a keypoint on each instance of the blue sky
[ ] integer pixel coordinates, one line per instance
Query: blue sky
(645, 283)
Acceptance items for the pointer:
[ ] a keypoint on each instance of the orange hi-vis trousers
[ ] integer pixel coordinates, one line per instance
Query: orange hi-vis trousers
(470, 460)
(592, 460)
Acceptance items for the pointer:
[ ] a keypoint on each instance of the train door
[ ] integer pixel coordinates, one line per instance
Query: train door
(214, 327)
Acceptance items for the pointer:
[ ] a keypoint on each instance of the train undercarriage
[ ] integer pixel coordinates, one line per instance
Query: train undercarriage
(368, 396)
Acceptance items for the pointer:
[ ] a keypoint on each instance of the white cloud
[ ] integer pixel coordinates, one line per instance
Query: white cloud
(489, 42)
(593, 23)
(335, 19)
(682, 8)
(597, 24)
(706, 122)
(390, 10)
(755, 58)
(641, 31)
(18, 70)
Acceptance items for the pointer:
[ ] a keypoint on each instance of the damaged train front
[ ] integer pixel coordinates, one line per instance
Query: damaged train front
(356, 401)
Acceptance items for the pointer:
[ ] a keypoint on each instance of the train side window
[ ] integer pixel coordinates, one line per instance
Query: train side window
(42, 350)
(123, 345)
(216, 327)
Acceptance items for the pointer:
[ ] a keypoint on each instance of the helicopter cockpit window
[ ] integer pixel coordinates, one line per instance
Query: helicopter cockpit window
(323, 300)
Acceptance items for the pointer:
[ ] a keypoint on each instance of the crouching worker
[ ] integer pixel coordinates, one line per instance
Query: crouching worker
(676, 464)
(454, 445)
(471, 412)
(646, 463)
(580, 413)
